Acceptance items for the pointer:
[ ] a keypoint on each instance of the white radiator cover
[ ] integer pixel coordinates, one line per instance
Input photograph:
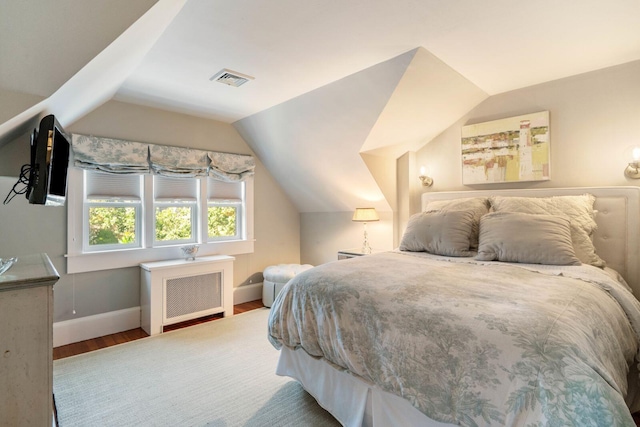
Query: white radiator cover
(191, 295)
(178, 290)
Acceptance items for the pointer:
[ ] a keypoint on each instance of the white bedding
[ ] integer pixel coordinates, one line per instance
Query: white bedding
(467, 342)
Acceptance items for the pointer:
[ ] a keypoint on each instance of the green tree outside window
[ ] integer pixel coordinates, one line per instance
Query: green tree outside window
(173, 223)
(222, 221)
(112, 225)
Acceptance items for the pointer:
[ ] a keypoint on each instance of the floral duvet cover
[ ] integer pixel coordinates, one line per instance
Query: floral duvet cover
(471, 343)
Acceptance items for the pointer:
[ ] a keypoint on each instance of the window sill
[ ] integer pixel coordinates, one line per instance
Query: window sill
(95, 261)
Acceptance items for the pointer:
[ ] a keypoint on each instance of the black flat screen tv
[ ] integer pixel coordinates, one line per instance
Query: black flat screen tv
(49, 163)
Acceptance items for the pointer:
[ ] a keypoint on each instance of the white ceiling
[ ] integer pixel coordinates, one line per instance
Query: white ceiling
(302, 52)
(292, 47)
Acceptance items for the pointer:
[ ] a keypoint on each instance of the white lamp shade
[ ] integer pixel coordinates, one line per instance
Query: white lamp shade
(365, 215)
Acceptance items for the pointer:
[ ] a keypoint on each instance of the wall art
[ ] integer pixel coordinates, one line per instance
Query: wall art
(513, 149)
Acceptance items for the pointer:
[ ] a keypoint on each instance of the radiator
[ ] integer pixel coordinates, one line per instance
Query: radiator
(179, 290)
(189, 297)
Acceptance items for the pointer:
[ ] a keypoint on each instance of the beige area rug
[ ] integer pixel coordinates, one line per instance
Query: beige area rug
(220, 373)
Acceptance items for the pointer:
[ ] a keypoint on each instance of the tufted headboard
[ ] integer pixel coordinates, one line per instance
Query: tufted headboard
(617, 238)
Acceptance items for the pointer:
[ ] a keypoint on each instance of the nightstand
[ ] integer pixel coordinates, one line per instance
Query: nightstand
(352, 253)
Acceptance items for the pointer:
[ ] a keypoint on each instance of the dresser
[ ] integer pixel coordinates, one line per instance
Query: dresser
(26, 342)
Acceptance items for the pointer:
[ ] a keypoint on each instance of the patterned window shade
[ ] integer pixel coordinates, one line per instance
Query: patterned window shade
(126, 157)
(110, 155)
(178, 161)
(231, 167)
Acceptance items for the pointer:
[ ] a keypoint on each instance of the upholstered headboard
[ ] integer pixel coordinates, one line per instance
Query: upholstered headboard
(617, 238)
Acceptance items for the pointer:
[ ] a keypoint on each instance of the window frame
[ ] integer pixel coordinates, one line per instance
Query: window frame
(193, 206)
(239, 221)
(185, 197)
(79, 260)
(87, 205)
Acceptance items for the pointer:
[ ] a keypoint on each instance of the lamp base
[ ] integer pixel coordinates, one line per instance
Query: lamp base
(366, 249)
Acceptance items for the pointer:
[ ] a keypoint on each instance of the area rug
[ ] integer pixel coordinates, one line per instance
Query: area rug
(218, 374)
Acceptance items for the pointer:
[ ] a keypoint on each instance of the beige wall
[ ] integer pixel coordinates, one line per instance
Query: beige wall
(28, 228)
(13, 155)
(323, 234)
(594, 125)
(594, 121)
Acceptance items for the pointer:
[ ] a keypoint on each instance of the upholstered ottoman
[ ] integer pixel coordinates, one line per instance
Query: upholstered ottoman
(275, 277)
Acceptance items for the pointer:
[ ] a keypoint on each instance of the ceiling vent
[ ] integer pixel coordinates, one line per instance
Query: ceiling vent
(231, 78)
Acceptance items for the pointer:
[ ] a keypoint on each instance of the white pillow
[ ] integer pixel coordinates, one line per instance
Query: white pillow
(526, 238)
(439, 232)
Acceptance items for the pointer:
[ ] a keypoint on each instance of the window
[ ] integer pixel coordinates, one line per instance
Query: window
(116, 221)
(224, 210)
(174, 210)
(112, 211)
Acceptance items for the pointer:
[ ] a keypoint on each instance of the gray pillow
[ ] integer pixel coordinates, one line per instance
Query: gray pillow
(478, 205)
(439, 232)
(579, 209)
(526, 238)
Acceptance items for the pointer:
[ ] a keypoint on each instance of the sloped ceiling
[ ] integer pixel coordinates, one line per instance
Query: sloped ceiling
(96, 80)
(312, 144)
(300, 54)
(430, 95)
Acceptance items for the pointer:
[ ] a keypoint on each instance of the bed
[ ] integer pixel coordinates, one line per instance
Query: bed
(533, 323)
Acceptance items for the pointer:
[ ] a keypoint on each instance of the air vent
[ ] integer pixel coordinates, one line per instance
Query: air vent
(231, 78)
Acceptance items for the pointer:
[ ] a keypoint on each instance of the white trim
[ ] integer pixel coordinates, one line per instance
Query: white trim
(99, 325)
(83, 263)
(246, 293)
(79, 262)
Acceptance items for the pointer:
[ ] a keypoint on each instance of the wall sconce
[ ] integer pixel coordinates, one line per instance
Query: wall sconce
(426, 181)
(365, 215)
(633, 169)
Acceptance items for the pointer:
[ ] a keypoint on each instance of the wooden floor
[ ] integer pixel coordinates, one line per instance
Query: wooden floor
(134, 334)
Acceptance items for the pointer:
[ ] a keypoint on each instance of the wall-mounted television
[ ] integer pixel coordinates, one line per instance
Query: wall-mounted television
(49, 162)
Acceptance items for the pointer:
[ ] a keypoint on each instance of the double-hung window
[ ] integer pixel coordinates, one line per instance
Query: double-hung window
(225, 210)
(175, 210)
(112, 211)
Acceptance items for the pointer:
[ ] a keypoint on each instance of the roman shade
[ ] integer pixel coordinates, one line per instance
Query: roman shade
(178, 161)
(119, 156)
(231, 167)
(110, 155)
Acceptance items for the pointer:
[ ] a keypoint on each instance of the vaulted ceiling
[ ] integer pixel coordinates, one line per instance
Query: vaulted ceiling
(332, 79)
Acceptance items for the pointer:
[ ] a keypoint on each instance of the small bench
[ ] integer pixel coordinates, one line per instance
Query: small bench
(276, 276)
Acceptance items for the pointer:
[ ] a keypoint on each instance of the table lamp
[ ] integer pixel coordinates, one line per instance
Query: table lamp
(365, 215)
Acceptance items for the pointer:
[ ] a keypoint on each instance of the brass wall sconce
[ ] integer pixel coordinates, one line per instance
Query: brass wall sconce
(633, 169)
(426, 180)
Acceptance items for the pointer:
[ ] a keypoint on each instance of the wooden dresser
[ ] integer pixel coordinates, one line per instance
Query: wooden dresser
(26, 342)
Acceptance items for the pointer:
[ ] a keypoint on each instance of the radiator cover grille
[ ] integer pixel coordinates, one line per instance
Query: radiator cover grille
(192, 294)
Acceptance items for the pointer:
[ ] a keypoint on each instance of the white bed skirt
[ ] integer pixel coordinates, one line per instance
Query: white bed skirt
(351, 400)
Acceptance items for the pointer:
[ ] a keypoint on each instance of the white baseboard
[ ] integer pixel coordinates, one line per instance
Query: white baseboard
(247, 293)
(99, 325)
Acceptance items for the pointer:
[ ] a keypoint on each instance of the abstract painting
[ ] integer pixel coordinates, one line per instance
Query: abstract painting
(514, 149)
